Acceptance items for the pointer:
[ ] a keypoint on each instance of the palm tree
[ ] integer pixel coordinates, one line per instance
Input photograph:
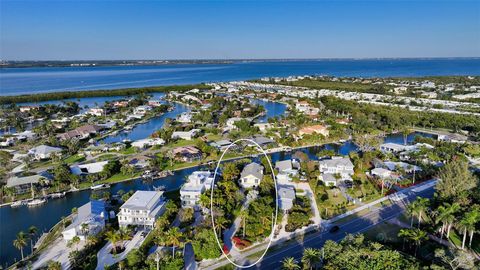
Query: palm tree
(32, 231)
(74, 242)
(220, 223)
(172, 238)
(20, 242)
(450, 217)
(422, 206)
(243, 215)
(290, 263)
(412, 209)
(54, 265)
(405, 234)
(113, 237)
(84, 227)
(310, 258)
(418, 236)
(468, 224)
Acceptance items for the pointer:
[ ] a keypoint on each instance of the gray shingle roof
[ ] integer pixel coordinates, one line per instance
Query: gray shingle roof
(254, 169)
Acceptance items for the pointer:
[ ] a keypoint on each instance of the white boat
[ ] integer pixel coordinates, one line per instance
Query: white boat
(58, 195)
(101, 186)
(36, 202)
(17, 204)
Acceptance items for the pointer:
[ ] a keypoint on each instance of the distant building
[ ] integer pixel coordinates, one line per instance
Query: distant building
(88, 168)
(197, 183)
(315, 129)
(251, 175)
(143, 109)
(142, 209)
(96, 111)
(149, 142)
(80, 133)
(44, 152)
(187, 153)
(89, 220)
(185, 135)
(185, 117)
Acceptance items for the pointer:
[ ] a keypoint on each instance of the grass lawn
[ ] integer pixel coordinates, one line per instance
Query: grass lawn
(106, 157)
(74, 159)
(120, 177)
(128, 151)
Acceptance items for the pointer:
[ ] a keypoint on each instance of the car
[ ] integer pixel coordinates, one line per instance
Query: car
(143, 234)
(334, 229)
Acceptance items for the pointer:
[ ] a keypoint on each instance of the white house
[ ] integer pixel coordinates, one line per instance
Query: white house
(149, 142)
(287, 169)
(143, 109)
(394, 166)
(96, 111)
(381, 173)
(286, 196)
(334, 169)
(185, 117)
(231, 122)
(185, 135)
(88, 168)
(142, 209)
(251, 175)
(89, 220)
(44, 152)
(197, 183)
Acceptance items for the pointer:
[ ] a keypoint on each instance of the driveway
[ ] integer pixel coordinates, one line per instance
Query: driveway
(58, 252)
(106, 259)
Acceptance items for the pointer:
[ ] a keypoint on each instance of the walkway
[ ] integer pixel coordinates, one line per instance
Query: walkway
(106, 259)
(57, 251)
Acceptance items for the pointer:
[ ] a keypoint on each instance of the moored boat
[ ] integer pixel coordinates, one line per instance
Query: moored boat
(101, 186)
(17, 204)
(58, 195)
(36, 202)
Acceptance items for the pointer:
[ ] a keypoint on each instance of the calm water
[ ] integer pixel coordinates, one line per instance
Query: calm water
(37, 80)
(44, 217)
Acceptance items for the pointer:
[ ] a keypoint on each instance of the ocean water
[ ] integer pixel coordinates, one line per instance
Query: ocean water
(16, 81)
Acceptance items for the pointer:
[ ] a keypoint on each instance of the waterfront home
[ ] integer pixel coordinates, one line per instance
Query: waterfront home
(197, 183)
(335, 169)
(185, 117)
(263, 141)
(286, 196)
(25, 135)
(142, 110)
(149, 142)
(89, 220)
(314, 129)
(24, 184)
(187, 153)
(80, 133)
(142, 209)
(306, 108)
(154, 103)
(222, 145)
(140, 162)
(231, 122)
(453, 138)
(44, 152)
(393, 147)
(396, 166)
(381, 173)
(120, 103)
(28, 108)
(287, 169)
(185, 135)
(251, 176)
(88, 168)
(96, 111)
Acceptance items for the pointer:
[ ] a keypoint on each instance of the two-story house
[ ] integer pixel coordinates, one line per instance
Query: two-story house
(142, 209)
(251, 175)
(197, 183)
(335, 169)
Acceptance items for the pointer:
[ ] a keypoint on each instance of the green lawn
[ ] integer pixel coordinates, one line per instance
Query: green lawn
(106, 157)
(73, 159)
(120, 177)
(128, 151)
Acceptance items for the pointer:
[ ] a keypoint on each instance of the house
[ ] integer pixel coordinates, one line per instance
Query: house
(381, 173)
(89, 168)
(6, 142)
(80, 133)
(24, 184)
(96, 111)
(393, 147)
(142, 209)
(142, 110)
(453, 138)
(231, 122)
(149, 142)
(340, 168)
(185, 117)
(89, 220)
(120, 103)
(140, 162)
(197, 183)
(44, 152)
(187, 153)
(286, 196)
(154, 103)
(287, 169)
(315, 129)
(28, 108)
(185, 135)
(251, 175)
(222, 145)
(306, 108)
(262, 141)
(395, 166)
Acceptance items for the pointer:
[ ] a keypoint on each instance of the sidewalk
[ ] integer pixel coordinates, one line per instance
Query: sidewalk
(106, 259)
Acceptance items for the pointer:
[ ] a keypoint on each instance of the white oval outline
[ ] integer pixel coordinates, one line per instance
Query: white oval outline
(274, 224)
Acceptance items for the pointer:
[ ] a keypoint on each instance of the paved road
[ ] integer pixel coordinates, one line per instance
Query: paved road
(357, 225)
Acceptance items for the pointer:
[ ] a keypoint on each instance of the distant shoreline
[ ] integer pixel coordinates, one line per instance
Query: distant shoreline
(152, 62)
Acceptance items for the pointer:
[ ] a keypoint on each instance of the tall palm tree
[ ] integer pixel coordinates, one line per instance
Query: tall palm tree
(290, 263)
(113, 237)
(20, 242)
(412, 209)
(74, 242)
(405, 235)
(172, 238)
(422, 206)
(452, 209)
(84, 227)
(468, 224)
(32, 231)
(243, 215)
(418, 236)
(310, 258)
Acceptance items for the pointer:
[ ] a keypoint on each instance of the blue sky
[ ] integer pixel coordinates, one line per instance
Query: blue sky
(65, 30)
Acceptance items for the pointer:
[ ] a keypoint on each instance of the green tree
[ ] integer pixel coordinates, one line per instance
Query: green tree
(454, 179)
(310, 258)
(20, 242)
(32, 231)
(290, 263)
